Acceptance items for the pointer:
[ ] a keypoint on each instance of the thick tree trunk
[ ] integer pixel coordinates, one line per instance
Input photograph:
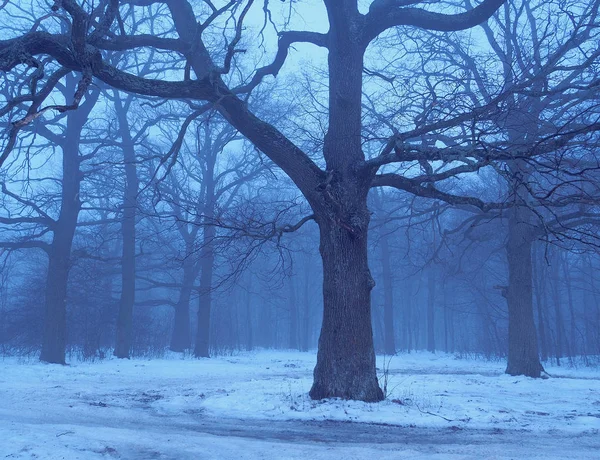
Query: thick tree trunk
(125, 317)
(346, 357)
(180, 337)
(127, 301)
(55, 324)
(207, 258)
(523, 358)
(388, 300)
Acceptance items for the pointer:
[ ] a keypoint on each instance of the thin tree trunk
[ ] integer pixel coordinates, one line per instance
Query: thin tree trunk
(431, 310)
(250, 337)
(540, 294)
(293, 343)
(408, 316)
(572, 320)
(306, 309)
(445, 298)
(558, 319)
(388, 300)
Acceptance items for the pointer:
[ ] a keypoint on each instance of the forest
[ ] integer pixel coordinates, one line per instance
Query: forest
(342, 193)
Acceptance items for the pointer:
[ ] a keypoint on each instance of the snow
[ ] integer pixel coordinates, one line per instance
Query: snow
(255, 405)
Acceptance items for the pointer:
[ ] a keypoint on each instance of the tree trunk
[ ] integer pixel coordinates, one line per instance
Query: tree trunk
(523, 358)
(431, 310)
(293, 343)
(125, 318)
(306, 310)
(346, 357)
(388, 300)
(445, 297)
(540, 295)
(572, 323)
(180, 338)
(59, 263)
(250, 336)
(207, 258)
(558, 319)
(55, 323)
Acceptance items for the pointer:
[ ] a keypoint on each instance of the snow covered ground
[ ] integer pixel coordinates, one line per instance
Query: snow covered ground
(255, 405)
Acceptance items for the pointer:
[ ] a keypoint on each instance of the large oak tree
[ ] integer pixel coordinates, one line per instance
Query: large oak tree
(337, 193)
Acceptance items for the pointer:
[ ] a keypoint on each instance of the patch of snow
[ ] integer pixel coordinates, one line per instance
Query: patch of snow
(256, 405)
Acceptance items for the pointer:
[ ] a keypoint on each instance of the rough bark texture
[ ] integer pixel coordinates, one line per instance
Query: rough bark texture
(55, 322)
(346, 357)
(523, 357)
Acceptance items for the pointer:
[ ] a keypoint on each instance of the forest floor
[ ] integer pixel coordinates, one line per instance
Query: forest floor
(255, 406)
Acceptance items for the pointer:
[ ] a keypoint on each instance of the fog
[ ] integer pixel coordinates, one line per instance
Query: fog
(329, 184)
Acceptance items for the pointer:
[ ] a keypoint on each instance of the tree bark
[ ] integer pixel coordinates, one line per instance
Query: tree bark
(346, 357)
(181, 335)
(293, 343)
(55, 323)
(540, 295)
(307, 309)
(388, 296)
(558, 319)
(523, 357)
(250, 336)
(431, 310)
(572, 325)
(207, 258)
(127, 301)
(54, 339)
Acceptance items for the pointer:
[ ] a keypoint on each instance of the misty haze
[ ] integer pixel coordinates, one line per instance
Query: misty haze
(300, 229)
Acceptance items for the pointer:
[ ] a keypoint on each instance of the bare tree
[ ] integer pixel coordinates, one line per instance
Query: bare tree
(337, 194)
